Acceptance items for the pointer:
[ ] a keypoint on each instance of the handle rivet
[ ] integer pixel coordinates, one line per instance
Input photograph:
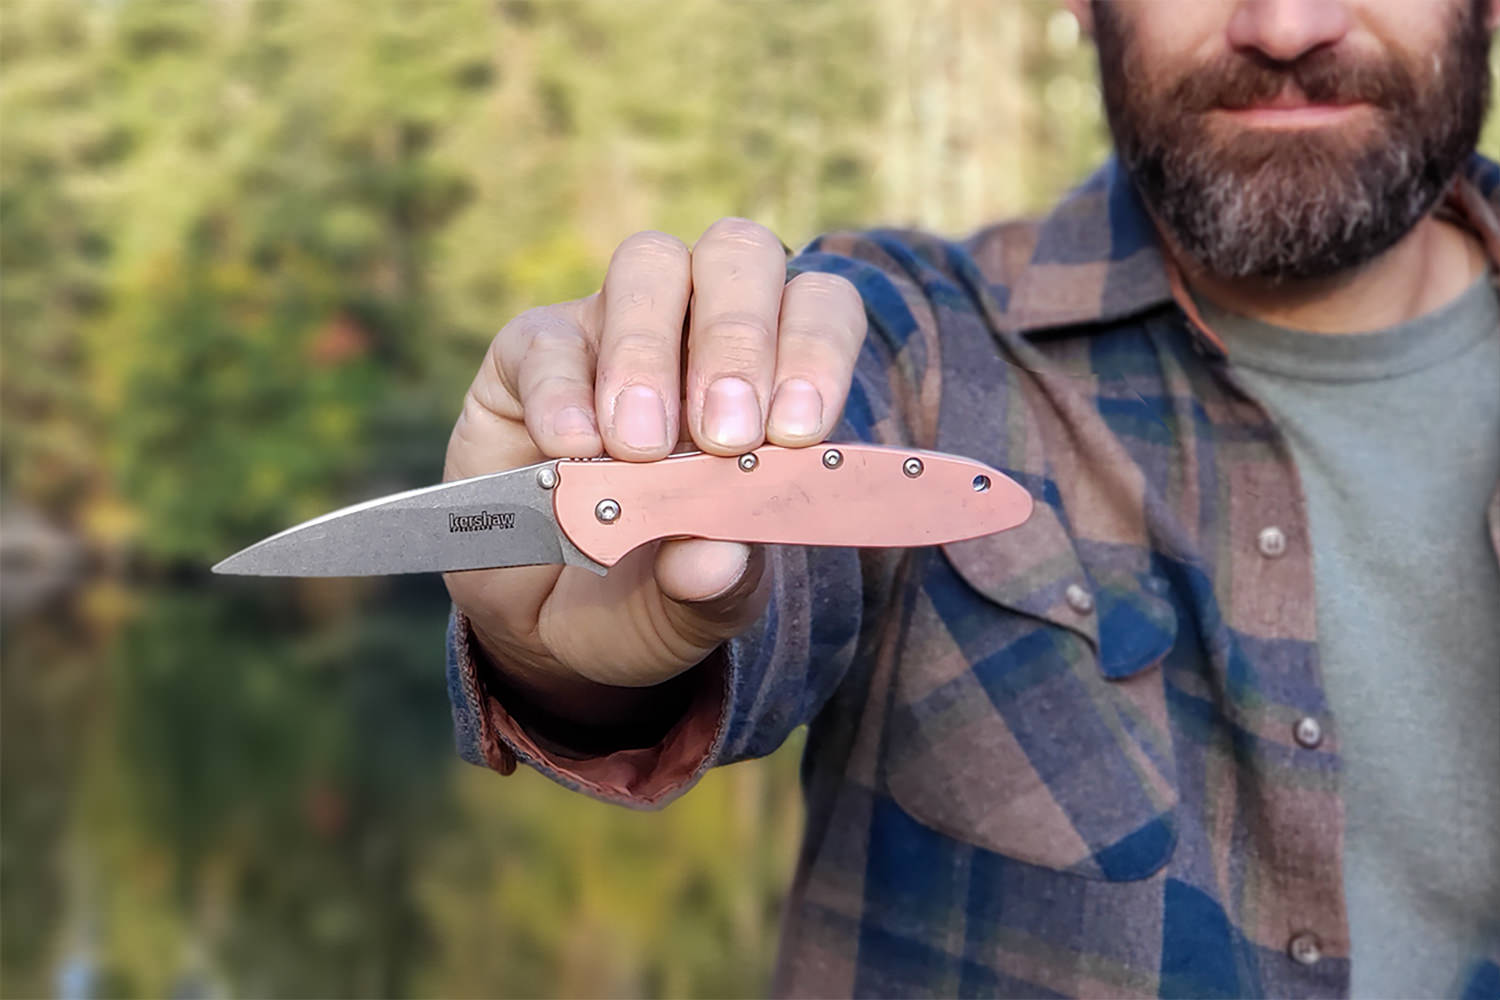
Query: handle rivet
(833, 458)
(981, 484)
(748, 462)
(546, 477)
(912, 467)
(607, 511)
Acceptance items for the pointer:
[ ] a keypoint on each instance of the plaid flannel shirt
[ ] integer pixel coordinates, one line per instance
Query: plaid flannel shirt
(1062, 759)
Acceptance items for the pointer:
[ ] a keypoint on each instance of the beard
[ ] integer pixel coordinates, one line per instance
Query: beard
(1286, 204)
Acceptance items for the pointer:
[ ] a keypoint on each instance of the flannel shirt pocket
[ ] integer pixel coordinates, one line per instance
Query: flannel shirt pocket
(1024, 726)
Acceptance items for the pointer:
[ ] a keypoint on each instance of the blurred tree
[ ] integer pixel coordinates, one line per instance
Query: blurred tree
(990, 110)
(273, 302)
(60, 142)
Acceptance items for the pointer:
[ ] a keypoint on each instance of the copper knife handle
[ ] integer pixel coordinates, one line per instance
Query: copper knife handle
(828, 494)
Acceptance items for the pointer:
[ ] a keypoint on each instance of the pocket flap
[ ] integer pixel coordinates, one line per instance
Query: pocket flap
(1137, 624)
(1028, 568)
(1030, 740)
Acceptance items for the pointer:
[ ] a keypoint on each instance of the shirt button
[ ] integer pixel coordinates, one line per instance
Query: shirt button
(1305, 948)
(1308, 732)
(1271, 542)
(1079, 599)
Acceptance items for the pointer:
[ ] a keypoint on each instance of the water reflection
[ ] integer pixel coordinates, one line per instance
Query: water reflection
(249, 788)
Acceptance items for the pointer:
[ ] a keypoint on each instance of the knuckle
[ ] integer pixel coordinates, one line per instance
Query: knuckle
(489, 397)
(634, 352)
(629, 302)
(820, 286)
(828, 302)
(516, 337)
(818, 363)
(801, 337)
(734, 358)
(638, 342)
(515, 330)
(556, 338)
(741, 234)
(745, 328)
(552, 387)
(653, 246)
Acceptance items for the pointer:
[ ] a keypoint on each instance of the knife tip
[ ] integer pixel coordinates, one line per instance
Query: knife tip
(225, 567)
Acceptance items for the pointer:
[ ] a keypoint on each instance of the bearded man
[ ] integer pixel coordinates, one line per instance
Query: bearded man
(1221, 718)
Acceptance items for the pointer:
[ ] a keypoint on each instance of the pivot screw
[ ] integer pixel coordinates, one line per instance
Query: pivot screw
(912, 467)
(607, 511)
(833, 458)
(546, 477)
(748, 462)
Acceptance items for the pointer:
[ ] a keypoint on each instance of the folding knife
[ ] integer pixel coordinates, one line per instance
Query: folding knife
(591, 512)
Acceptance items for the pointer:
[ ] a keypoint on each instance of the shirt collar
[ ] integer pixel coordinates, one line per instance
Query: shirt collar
(1097, 258)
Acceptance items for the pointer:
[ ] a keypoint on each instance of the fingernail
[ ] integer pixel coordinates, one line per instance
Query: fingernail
(573, 420)
(640, 418)
(797, 410)
(731, 413)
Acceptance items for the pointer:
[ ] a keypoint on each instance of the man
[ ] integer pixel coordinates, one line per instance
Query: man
(1220, 719)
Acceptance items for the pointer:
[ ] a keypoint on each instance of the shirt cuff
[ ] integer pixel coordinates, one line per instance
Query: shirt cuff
(643, 778)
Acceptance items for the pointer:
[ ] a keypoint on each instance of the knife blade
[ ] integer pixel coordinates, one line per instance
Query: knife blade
(591, 512)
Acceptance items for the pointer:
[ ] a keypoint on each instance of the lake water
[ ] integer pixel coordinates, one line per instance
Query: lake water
(248, 787)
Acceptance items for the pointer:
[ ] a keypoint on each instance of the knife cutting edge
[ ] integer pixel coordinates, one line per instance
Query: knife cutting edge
(591, 512)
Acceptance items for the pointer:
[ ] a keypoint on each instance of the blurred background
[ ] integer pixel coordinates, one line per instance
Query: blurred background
(250, 254)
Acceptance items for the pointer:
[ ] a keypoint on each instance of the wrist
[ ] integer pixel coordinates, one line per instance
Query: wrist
(572, 716)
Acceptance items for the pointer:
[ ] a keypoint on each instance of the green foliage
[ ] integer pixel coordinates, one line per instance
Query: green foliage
(55, 243)
(269, 209)
(237, 233)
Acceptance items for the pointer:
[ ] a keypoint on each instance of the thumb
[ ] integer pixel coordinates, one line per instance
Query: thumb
(714, 590)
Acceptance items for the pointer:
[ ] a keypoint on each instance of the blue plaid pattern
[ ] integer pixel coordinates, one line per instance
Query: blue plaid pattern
(1056, 761)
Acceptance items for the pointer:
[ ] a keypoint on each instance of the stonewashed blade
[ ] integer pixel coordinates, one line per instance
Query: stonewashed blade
(503, 519)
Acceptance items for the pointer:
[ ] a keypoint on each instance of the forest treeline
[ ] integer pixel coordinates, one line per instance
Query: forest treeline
(252, 250)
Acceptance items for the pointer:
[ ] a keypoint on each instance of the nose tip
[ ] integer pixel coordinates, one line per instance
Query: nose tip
(1285, 30)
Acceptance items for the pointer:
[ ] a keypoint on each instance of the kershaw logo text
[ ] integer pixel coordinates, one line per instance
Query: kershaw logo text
(483, 521)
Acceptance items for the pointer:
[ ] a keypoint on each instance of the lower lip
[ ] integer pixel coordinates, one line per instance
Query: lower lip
(1301, 116)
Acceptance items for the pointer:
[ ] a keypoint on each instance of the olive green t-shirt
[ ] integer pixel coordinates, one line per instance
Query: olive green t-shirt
(1396, 436)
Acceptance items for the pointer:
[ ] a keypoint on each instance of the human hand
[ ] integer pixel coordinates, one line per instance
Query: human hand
(711, 347)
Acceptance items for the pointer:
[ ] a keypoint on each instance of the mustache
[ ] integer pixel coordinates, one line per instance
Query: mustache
(1240, 80)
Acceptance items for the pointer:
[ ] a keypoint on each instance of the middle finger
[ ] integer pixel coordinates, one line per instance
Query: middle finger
(739, 269)
(636, 384)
